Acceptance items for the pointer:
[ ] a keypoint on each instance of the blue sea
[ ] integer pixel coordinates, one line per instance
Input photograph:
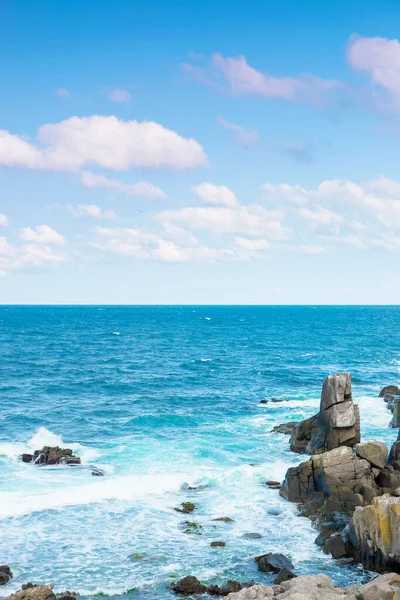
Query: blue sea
(164, 399)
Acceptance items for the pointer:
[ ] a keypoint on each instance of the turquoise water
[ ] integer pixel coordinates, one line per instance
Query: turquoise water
(166, 398)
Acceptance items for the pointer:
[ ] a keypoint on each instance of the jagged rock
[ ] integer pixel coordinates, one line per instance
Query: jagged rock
(256, 592)
(187, 586)
(313, 587)
(374, 452)
(383, 587)
(285, 428)
(187, 507)
(5, 574)
(393, 390)
(337, 423)
(374, 534)
(53, 456)
(273, 563)
(284, 575)
(34, 592)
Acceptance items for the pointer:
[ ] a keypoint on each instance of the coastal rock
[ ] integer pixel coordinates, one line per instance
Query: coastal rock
(224, 520)
(52, 455)
(5, 574)
(186, 508)
(256, 592)
(34, 592)
(217, 544)
(313, 587)
(392, 390)
(187, 586)
(374, 534)
(275, 485)
(337, 423)
(285, 428)
(383, 587)
(273, 563)
(252, 536)
(394, 454)
(284, 575)
(374, 452)
(230, 587)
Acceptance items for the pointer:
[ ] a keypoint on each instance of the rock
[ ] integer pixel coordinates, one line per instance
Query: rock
(383, 587)
(275, 485)
(336, 546)
(394, 454)
(256, 592)
(252, 536)
(55, 456)
(374, 452)
(396, 412)
(188, 586)
(224, 520)
(393, 390)
(27, 458)
(187, 507)
(312, 587)
(285, 428)
(67, 596)
(374, 534)
(273, 563)
(5, 574)
(192, 528)
(34, 592)
(217, 544)
(389, 477)
(284, 575)
(279, 399)
(264, 401)
(302, 434)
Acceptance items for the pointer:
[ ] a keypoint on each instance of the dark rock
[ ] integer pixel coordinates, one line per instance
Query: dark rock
(187, 586)
(252, 536)
(27, 458)
(284, 575)
(187, 507)
(394, 454)
(336, 546)
(285, 428)
(301, 435)
(55, 456)
(192, 528)
(66, 596)
(279, 400)
(217, 544)
(275, 485)
(264, 401)
(273, 563)
(224, 520)
(230, 587)
(389, 389)
(5, 574)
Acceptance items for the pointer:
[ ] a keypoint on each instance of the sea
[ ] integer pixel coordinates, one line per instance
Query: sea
(166, 400)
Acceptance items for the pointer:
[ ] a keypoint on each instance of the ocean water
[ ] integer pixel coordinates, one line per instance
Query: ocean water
(163, 399)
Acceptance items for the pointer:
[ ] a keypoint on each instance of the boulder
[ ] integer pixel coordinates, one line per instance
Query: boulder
(383, 587)
(186, 508)
(313, 587)
(374, 534)
(52, 456)
(336, 546)
(188, 586)
(217, 544)
(273, 563)
(34, 592)
(374, 452)
(5, 574)
(392, 390)
(284, 575)
(337, 423)
(256, 592)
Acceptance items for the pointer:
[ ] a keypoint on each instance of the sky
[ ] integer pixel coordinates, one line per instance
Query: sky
(185, 152)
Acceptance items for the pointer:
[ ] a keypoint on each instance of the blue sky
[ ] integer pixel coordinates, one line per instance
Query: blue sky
(187, 152)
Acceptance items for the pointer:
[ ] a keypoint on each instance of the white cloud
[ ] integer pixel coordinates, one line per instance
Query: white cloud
(3, 221)
(243, 79)
(43, 234)
(121, 96)
(142, 244)
(241, 134)
(141, 189)
(104, 141)
(294, 194)
(314, 249)
(320, 215)
(380, 58)
(253, 221)
(252, 244)
(13, 257)
(215, 194)
(91, 211)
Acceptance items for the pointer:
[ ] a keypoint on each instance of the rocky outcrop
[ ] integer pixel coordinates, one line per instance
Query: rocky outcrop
(306, 587)
(186, 508)
(391, 390)
(191, 586)
(40, 592)
(52, 455)
(285, 428)
(337, 423)
(273, 563)
(374, 452)
(374, 534)
(5, 574)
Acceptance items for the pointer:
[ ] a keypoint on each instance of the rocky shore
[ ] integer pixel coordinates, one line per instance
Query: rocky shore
(349, 489)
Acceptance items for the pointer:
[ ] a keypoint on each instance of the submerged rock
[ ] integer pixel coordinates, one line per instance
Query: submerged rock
(188, 586)
(224, 520)
(275, 485)
(192, 528)
(5, 574)
(217, 544)
(187, 507)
